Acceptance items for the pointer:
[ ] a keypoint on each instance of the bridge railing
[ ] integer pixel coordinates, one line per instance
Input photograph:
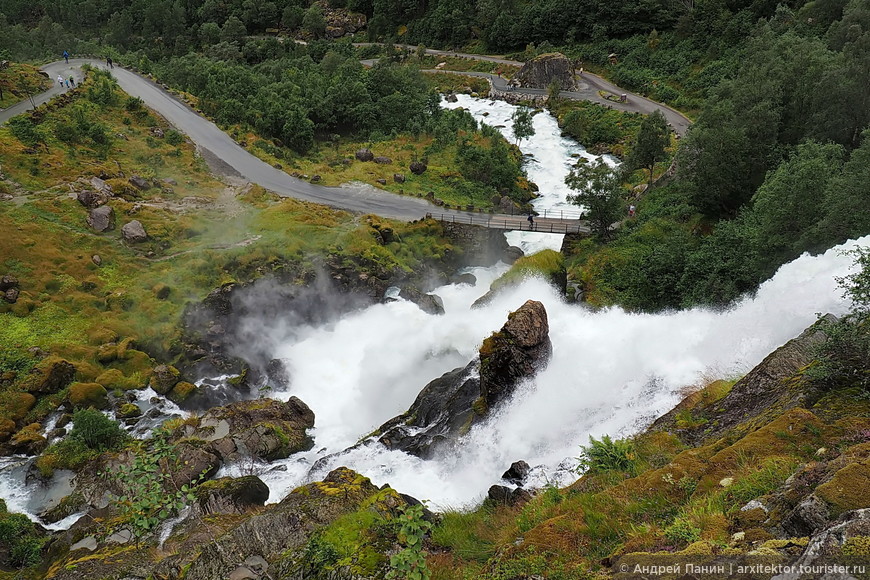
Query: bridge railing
(502, 222)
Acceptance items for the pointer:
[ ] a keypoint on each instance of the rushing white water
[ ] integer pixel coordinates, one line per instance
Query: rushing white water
(611, 372)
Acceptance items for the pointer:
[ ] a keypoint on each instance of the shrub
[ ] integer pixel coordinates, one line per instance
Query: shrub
(173, 137)
(682, 532)
(607, 455)
(96, 430)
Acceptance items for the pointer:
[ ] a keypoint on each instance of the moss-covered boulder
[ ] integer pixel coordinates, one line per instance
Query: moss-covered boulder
(114, 379)
(163, 378)
(129, 411)
(51, 375)
(15, 405)
(263, 428)
(84, 395)
(28, 441)
(181, 392)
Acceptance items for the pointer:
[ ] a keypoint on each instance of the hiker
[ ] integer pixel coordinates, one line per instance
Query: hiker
(531, 221)
(72, 81)
(66, 82)
(60, 80)
(66, 56)
(631, 210)
(109, 62)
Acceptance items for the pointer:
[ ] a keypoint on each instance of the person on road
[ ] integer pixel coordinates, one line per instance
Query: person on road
(66, 82)
(109, 62)
(66, 56)
(60, 80)
(72, 81)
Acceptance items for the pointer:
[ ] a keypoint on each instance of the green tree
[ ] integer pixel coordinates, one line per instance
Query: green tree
(523, 124)
(649, 148)
(599, 191)
(298, 131)
(209, 33)
(314, 21)
(292, 17)
(233, 30)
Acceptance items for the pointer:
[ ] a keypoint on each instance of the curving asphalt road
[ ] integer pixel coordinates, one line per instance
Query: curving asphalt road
(214, 143)
(588, 86)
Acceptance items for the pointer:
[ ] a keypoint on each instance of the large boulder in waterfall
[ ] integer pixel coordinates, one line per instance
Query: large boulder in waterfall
(263, 428)
(542, 70)
(231, 495)
(447, 407)
(514, 353)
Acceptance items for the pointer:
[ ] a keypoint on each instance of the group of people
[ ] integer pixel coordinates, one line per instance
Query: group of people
(68, 83)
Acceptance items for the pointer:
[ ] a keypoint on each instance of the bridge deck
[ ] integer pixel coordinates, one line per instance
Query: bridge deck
(514, 222)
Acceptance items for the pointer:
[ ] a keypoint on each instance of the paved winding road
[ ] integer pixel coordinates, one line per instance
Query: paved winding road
(588, 86)
(215, 144)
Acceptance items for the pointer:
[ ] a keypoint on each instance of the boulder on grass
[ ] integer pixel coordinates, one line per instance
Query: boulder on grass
(134, 232)
(102, 219)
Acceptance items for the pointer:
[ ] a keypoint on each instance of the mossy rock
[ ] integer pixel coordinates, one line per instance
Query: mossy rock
(84, 395)
(107, 353)
(51, 375)
(701, 548)
(857, 546)
(114, 379)
(7, 428)
(164, 378)
(29, 440)
(15, 405)
(129, 411)
(135, 361)
(181, 392)
(847, 490)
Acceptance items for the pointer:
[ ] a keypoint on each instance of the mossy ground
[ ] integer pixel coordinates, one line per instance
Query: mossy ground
(673, 501)
(17, 79)
(202, 233)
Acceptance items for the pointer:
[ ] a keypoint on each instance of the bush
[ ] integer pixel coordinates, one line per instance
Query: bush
(96, 430)
(607, 455)
(173, 137)
(682, 532)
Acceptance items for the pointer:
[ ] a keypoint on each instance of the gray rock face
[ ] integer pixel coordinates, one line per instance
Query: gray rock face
(134, 232)
(101, 186)
(539, 72)
(431, 304)
(447, 407)
(811, 515)
(365, 155)
(827, 544)
(102, 219)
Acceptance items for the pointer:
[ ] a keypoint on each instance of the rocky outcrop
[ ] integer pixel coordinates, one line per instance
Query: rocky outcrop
(365, 155)
(447, 407)
(482, 246)
(417, 167)
(773, 386)
(264, 428)
(542, 70)
(139, 182)
(92, 199)
(517, 473)
(50, 376)
(514, 353)
(229, 495)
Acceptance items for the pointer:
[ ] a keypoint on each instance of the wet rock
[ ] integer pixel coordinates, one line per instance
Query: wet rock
(542, 70)
(517, 351)
(465, 278)
(447, 407)
(190, 463)
(102, 219)
(365, 155)
(134, 232)
(277, 373)
(92, 199)
(517, 473)
(512, 254)
(139, 182)
(431, 304)
(84, 395)
(229, 495)
(451, 98)
(263, 428)
(417, 167)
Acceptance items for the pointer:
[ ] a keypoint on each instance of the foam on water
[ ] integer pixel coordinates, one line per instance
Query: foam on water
(611, 373)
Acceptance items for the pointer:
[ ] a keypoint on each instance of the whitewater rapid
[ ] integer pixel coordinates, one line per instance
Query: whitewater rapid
(611, 373)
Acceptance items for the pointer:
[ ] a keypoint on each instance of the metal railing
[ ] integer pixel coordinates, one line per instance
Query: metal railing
(503, 222)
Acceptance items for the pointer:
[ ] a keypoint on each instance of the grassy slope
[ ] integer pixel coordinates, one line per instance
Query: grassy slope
(14, 77)
(201, 234)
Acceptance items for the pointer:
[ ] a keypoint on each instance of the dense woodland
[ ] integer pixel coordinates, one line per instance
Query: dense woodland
(776, 164)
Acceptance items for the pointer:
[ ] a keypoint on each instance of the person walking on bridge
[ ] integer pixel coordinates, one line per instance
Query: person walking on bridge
(531, 221)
